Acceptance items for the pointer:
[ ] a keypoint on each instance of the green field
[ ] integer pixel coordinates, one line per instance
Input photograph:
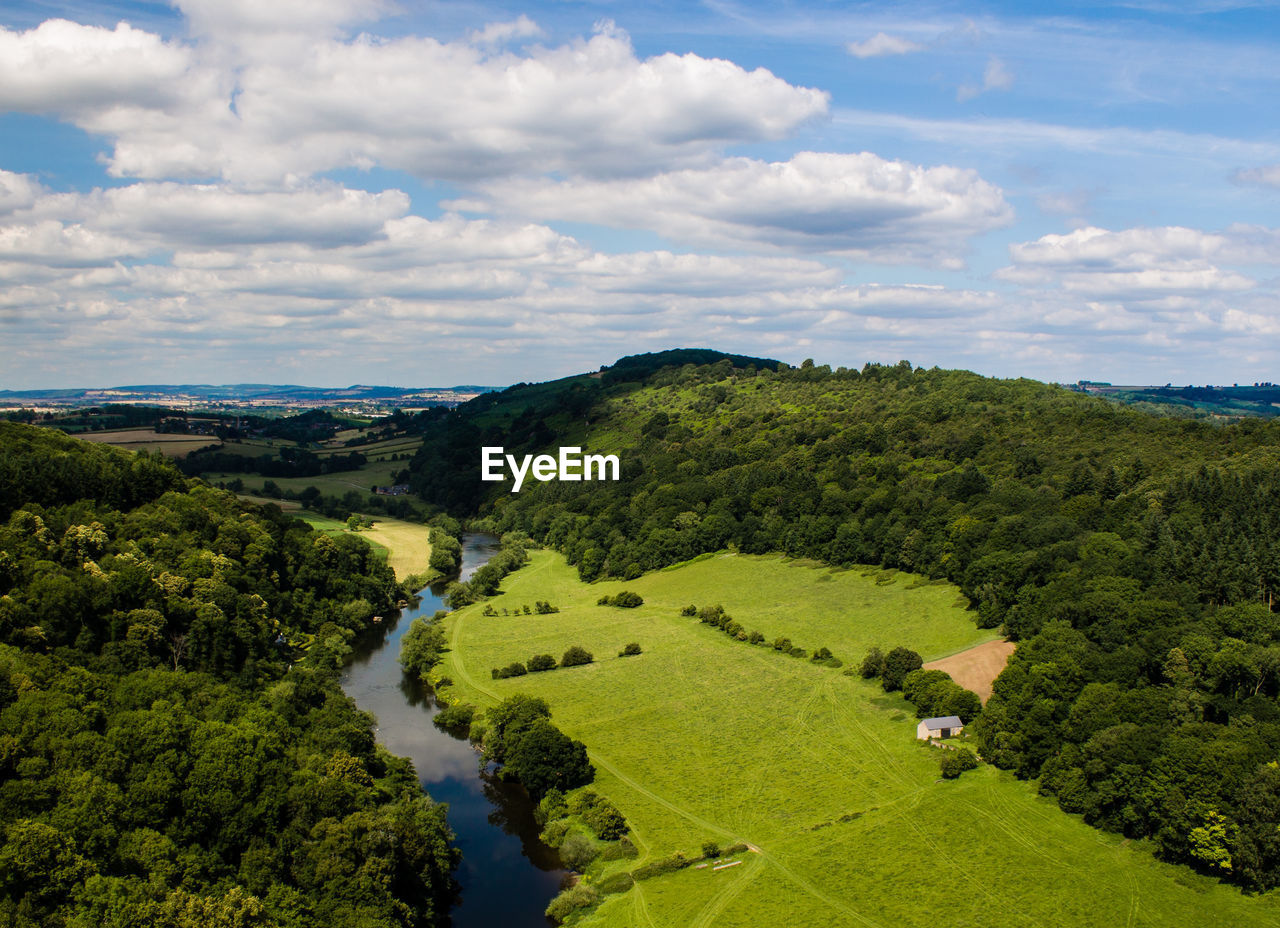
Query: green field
(405, 545)
(704, 738)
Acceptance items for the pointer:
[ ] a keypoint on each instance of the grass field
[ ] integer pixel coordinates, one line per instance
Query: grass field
(338, 484)
(174, 445)
(406, 545)
(704, 738)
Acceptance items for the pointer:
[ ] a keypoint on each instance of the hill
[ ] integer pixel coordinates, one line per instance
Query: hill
(1134, 557)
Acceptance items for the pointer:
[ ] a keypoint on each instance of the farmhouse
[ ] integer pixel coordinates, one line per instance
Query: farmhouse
(943, 727)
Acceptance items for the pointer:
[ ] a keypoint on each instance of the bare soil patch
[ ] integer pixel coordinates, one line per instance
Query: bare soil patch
(977, 668)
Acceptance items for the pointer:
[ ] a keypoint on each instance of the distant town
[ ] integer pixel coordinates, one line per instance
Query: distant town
(261, 399)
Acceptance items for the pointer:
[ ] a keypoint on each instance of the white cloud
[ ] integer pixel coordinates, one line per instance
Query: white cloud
(881, 44)
(499, 33)
(994, 77)
(254, 109)
(850, 204)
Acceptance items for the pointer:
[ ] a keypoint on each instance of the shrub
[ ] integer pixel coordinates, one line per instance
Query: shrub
(710, 849)
(626, 600)
(676, 861)
(872, 664)
(782, 644)
(553, 834)
(540, 662)
(630, 650)
(755, 638)
(514, 669)
(618, 850)
(578, 851)
(824, 656)
(551, 807)
(605, 820)
(575, 656)
(734, 849)
(456, 717)
(689, 610)
(956, 762)
(798, 652)
(617, 883)
(575, 898)
(544, 608)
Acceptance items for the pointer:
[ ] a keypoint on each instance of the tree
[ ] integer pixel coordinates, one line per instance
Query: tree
(542, 757)
(897, 664)
(872, 665)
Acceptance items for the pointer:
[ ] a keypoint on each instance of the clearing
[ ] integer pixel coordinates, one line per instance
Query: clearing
(977, 668)
(407, 544)
(703, 738)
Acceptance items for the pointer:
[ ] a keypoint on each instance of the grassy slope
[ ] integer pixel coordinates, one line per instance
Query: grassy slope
(406, 544)
(703, 738)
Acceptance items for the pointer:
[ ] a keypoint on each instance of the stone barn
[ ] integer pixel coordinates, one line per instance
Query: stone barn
(946, 726)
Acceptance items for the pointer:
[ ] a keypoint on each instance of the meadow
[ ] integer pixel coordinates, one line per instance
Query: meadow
(703, 738)
(170, 444)
(405, 545)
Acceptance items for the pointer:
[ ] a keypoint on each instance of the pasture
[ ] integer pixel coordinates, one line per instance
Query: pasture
(171, 444)
(405, 545)
(703, 738)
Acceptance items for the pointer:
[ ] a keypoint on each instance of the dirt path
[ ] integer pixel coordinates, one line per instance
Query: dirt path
(977, 668)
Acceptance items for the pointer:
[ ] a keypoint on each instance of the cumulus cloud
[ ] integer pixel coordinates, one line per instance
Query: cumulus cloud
(881, 44)
(850, 204)
(275, 111)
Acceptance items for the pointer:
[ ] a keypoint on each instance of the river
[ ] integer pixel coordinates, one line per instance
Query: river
(507, 875)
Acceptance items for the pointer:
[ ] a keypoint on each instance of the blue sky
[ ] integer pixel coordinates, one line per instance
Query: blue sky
(429, 193)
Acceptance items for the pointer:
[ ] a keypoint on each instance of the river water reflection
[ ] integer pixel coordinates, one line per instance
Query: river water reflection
(507, 875)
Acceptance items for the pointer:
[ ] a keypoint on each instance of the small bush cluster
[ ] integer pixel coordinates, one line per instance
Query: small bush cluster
(625, 600)
(671, 864)
(455, 717)
(599, 814)
(630, 650)
(622, 849)
(540, 607)
(574, 899)
(514, 669)
(617, 883)
(716, 617)
(957, 761)
(825, 657)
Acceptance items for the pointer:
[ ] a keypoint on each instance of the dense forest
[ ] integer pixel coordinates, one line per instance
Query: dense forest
(1134, 557)
(174, 746)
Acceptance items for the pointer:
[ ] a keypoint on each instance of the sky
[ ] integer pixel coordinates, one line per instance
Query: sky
(415, 193)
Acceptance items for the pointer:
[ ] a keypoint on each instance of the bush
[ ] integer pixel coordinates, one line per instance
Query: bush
(617, 883)
(676, 861)
(605, 820)
(575, 656)
(782, 644)
(755, 638)
(456, 717)
(578, 851)
(690, 610)
(626, 600)
(710, 850)
(619, 850)
(873, 664)
(544, 608)
(630, 650)
(554, 833)
(551, 807)
(575, 898)
(540, 662)
(514, 669)
(956, 762)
